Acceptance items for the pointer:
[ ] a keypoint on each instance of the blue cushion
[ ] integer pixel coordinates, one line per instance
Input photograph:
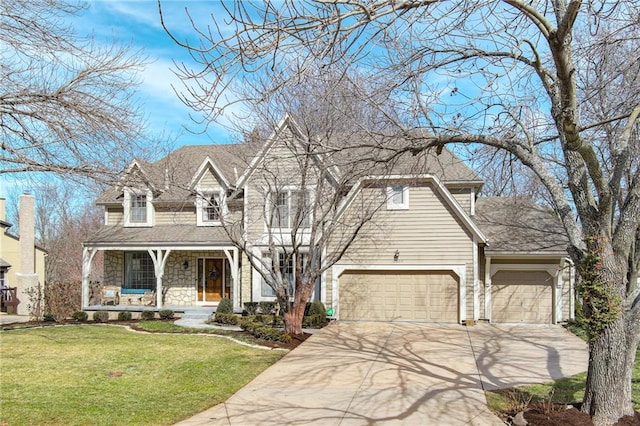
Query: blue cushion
(135, 290)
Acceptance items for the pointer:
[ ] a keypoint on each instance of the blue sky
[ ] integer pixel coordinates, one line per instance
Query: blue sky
(137, 23)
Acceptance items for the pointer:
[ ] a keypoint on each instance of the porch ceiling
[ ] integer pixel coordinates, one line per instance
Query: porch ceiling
(174, 235)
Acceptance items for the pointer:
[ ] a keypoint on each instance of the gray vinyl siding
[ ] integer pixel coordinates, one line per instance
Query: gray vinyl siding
(279, 169)
(428, 233)
(463, 197)
(115, 216)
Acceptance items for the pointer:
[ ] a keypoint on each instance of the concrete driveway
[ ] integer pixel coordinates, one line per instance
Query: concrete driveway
(398, 373)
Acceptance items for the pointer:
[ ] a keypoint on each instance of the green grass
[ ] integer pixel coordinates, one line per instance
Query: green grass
(107, 375)
(561, 391)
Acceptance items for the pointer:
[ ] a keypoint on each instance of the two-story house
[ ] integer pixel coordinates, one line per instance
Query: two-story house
(181, 230)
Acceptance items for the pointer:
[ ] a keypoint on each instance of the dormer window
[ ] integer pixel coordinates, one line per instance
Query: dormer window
(138, 207)
(210, 206)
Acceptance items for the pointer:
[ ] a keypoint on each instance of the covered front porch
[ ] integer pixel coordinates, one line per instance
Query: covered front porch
(138, 278)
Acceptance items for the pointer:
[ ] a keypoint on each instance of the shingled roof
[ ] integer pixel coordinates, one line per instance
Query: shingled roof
(519, 225)
(184, 235)
(174, 173)
(357, 155)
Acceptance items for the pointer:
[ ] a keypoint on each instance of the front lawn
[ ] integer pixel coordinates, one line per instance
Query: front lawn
(108, 375)
(563, 391)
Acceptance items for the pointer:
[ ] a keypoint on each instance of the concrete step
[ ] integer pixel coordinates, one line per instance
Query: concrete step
(200, 314)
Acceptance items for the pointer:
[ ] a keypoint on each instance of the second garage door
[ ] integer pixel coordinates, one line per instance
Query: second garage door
(399, 295)
(522, 296)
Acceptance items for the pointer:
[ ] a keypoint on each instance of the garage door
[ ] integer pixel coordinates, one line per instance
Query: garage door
(522, 296)
(399, 295)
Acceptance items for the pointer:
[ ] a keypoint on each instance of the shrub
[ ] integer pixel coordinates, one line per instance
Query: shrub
(49, 318)
(225, 306)
(251, 308)
(101, 316)
(285, 338)
(267, 308)
(80, 316)
(314, 321)
(124, 316)
(62, 298)
(317, 308)
(226, 318)
(166, 314)
(147, 315)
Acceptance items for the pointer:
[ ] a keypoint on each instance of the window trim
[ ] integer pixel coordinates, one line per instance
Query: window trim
(258, 280)
(128, 198)
(392, 191)
(202, 204)
(307, 220)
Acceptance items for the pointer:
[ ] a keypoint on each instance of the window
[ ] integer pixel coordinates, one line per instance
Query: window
(397, 197)
(287, 266)
(285, 205)
(139, 272)
(211, 208)
(138, 208)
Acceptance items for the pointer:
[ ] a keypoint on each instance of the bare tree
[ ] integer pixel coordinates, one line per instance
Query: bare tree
(63, 223)
(553, 83)
(66, 102)
(305, 182)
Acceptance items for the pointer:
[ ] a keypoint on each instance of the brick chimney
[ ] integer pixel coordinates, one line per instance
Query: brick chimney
(3, 209)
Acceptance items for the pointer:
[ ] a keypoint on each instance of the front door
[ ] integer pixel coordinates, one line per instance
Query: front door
(211, 282)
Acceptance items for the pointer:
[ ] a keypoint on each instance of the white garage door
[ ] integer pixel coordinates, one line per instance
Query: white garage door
(399, 295)
(522, 296)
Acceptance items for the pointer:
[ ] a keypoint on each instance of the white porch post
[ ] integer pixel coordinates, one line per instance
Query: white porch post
(476, 281)
(87, 258)
(487, 288)
(232, 256)
(159, 261)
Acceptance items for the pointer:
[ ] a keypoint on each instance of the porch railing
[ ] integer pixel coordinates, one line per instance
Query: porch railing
(9, 300)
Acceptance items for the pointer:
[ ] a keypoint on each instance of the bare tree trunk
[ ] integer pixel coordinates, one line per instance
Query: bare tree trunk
(293, 320)
(294, 315)
(611, 359)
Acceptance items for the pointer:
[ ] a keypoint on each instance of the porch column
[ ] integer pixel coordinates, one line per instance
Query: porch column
(87, 258)
(159, 261)
(234, 262)
(487, 288)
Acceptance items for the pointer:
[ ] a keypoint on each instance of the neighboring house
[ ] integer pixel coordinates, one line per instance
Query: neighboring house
(21, 260)
(437, 251)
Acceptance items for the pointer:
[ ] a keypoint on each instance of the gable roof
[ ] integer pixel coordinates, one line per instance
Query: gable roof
(173, 176)
(518, 225)
(351, 156)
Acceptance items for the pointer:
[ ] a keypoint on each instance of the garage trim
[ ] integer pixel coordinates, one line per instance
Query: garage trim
(552, 269)
(459, 270)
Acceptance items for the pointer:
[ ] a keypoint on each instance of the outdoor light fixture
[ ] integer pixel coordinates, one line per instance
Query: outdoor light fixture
(185, 265)
(396, 256)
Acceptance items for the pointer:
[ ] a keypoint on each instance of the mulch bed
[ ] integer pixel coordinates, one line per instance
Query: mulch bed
(561, 415)
(242, 335)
